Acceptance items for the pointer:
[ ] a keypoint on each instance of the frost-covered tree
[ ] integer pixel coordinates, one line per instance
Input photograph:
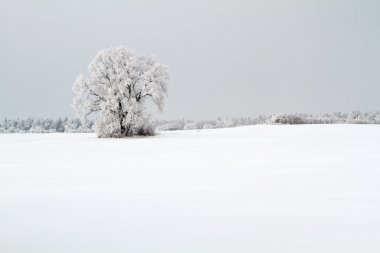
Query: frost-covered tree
(119, 84)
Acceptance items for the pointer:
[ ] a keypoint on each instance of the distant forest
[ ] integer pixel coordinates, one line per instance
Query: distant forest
(66, 125)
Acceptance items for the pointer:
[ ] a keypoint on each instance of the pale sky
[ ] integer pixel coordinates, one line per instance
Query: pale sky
(227, 58)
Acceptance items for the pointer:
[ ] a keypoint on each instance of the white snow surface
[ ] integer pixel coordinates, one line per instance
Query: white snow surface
(304, 188)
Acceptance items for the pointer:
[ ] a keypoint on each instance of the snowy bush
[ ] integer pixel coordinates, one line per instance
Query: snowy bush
(120, 82)
(287, 119)
(37, 130)
(190, 126)
(167, 127)
(208, 126)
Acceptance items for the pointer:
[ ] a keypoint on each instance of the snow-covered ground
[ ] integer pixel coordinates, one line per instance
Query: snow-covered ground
(306, 188)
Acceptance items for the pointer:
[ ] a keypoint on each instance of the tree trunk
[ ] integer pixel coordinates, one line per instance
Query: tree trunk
(121, 117)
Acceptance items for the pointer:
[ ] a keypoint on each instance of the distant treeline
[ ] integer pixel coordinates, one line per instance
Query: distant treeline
(40, 125)
(66, 125)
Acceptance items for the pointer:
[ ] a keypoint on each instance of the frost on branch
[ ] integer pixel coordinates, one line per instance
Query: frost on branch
(116, 90)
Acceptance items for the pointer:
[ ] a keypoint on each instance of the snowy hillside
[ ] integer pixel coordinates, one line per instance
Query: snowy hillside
(303, 188)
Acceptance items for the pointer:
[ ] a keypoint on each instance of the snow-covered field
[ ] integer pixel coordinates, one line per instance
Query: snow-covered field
(306, 188)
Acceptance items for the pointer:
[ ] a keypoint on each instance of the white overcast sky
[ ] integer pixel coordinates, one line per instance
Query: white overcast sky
(227, 58)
